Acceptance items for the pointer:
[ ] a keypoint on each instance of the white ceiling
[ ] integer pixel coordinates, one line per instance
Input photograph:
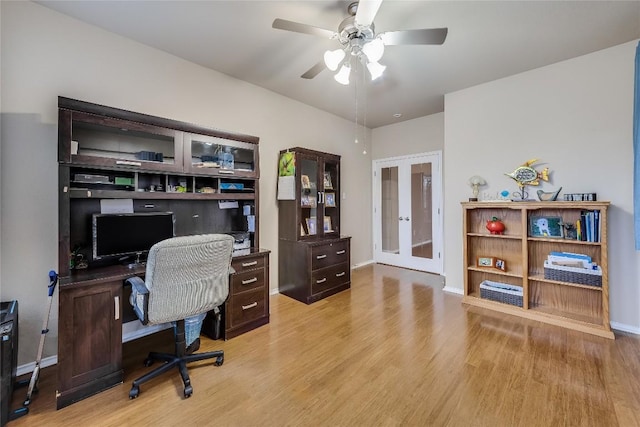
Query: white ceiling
(487, 40)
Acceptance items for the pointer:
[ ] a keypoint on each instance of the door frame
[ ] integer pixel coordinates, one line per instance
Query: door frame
(435, 157)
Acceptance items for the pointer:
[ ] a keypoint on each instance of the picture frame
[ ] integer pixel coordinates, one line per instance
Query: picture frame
(330, 200)
(327, 224)
(546, 226)
(501, 264)
(304, 180)
(311, 225)
(327, 181)
(302, 232)
(304, 201)
(313, 201)
(486, 261)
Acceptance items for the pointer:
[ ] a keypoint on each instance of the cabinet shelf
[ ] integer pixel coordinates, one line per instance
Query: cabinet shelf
(495, 272)
(540, 278)
(79, 193)
(563, 241)
(495, 236)
(576, 306)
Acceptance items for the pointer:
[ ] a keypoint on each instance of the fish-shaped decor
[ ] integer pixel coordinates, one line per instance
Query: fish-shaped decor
(526, 175)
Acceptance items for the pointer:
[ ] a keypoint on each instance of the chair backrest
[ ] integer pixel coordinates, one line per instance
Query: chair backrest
(187, 275)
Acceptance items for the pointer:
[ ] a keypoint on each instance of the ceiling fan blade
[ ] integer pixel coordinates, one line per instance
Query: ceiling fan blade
(424, 36)
(314, 71)
(283, 24)
(366, 12)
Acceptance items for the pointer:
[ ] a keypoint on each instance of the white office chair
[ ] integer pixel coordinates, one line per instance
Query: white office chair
(185, 276)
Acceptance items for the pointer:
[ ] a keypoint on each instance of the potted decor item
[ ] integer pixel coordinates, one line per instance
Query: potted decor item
(495, 226)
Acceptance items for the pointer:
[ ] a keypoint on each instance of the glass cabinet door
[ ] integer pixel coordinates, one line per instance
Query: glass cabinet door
(219, 156)
(112, 142)
(330, 198)
(308, 195)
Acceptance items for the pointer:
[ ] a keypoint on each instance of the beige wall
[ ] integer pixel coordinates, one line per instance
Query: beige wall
(46, 54)
(421, 135)
(576, 117)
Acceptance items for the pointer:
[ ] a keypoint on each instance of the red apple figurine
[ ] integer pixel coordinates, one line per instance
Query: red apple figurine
(495, 226)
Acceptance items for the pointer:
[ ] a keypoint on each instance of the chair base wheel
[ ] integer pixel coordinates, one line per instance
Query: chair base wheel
(134, 392)
(148, 362)
(219, 361)
(188, 390)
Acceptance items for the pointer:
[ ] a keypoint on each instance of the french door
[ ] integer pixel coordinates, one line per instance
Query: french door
(407, 211)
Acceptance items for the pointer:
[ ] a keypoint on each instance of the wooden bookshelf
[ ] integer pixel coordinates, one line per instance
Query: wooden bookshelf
(578, 306)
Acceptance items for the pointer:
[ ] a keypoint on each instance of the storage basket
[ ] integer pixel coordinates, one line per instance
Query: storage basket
(501, 292)
(581, 276)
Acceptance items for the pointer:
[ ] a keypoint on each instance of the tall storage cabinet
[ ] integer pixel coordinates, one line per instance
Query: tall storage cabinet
(314, 259)
(571, 299)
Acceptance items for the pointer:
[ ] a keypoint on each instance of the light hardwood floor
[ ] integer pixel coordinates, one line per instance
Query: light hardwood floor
(393, 350)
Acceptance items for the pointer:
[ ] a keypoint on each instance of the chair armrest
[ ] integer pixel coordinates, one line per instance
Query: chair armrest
(139, 298)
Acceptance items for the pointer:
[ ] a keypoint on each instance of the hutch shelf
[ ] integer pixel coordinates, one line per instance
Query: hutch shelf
(520, 254)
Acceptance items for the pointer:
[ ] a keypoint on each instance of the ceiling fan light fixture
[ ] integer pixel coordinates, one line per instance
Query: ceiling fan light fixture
(374, 50)
(376, 69)
(342, 76)
(333, 58)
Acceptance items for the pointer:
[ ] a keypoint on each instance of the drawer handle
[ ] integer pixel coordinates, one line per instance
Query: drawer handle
(340, 274)
(321, 256)
(226, 171)
(249, 264)
(246, 282)
(128, 163)
(116, 304)
(321, 280)
(341, 252)
(247, 307)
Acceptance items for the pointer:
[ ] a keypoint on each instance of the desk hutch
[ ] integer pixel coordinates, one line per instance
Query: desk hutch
(162, 165)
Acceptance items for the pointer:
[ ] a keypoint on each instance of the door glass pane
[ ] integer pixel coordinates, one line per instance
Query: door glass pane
(421, 211)
(223, 154)
(309, 196)
(389, 210)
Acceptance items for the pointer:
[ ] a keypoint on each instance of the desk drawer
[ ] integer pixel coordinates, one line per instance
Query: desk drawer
(252, 279)
(248, 263)
(330, 277)
(247, 306)
(329, 254)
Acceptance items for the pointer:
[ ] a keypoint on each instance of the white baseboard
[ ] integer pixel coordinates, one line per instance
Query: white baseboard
(625, 328)
(362, 264)
(452, 290)
(29, 367)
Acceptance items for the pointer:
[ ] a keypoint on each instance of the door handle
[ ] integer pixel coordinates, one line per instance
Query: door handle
(406, 218)
(400, 218)
(116, 305)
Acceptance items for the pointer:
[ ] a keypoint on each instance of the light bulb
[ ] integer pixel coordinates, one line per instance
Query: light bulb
(364, 152)
(376, 69)
(357, 140)
(374, 50)
(333, 58)
(343, 75)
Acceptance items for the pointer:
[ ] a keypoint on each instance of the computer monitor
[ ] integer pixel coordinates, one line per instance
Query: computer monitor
(122, 235)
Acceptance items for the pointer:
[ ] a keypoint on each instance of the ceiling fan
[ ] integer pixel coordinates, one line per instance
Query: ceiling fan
(358, 38)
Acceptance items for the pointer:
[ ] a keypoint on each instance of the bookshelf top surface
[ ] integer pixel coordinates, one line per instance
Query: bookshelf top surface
(536, 205)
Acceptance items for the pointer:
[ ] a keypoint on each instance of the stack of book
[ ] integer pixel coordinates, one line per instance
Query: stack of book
(588, 226)
(573, 268)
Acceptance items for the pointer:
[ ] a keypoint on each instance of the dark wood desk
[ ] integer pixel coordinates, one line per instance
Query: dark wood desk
(91, 312)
